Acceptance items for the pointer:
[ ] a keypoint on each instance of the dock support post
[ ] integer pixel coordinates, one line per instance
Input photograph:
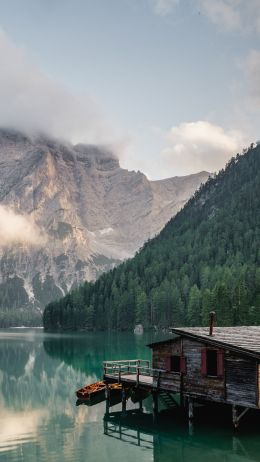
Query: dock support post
(191, 428)
(107, 396)
(155, 406)
(105, 427)
(236, 417)
(190, 409)
(140, 405)
(123, 401)
(182, 405)
(191, 415)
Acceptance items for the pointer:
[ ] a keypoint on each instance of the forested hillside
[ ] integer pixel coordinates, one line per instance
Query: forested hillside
(207, 257)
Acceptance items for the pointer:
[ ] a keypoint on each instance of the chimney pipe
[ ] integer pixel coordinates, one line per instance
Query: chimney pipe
(211, 322)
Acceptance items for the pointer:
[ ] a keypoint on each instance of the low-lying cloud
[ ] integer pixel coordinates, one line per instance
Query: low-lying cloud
(18, 229)
(31, 101)
(200, 145)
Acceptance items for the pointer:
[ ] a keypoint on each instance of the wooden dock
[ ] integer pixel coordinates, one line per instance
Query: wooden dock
(138, 375)
(133, 379)
(138, 372)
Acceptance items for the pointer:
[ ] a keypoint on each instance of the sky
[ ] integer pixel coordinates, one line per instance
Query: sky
(171, 86)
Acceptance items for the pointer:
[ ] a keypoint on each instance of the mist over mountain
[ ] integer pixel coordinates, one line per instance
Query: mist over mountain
(69, 213)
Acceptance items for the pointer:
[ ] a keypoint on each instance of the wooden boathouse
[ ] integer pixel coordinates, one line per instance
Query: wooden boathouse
(201, 365)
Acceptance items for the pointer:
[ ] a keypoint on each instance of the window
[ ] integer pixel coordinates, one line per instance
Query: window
(212, 362)
(175, 364)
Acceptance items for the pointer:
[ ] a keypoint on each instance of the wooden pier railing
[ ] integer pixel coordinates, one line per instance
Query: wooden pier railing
(139, 370)
(135, 367)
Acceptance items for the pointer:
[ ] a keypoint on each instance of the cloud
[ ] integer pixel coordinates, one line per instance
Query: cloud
(238, 15)
(200, 145)
(251, 68)
(18, 229)
(222, 12)
(227, 14)
(164, 7)
(32, 101)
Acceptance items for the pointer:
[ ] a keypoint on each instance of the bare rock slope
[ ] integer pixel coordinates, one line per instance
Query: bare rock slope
(91, 213)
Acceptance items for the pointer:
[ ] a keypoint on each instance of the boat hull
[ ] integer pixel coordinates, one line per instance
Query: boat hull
(93, 391)
(96, 393)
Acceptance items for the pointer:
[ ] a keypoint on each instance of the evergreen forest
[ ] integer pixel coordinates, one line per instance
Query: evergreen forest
(206, 258)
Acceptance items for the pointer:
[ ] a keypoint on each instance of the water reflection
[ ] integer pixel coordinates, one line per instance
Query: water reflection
(87, 352)
(171, 441)
(38, 378)
(41, 422)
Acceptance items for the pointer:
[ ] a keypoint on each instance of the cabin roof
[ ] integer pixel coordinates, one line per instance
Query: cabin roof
(170, 340)
(243, 339)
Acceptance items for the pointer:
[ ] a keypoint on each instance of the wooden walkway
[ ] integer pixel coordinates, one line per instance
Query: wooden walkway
(145, 380)
(138, 372)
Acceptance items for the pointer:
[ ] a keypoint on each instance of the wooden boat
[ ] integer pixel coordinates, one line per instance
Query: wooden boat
(96, 392)
(89, 392)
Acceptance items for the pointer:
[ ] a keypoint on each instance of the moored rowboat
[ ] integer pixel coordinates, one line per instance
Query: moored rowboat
(97, 391)
(92, 391)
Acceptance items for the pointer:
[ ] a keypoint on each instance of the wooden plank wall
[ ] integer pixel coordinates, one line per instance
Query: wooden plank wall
(162, 351)
(241, 380)
(240, 384)
(160, 355)
(170, 382)
(211, 388)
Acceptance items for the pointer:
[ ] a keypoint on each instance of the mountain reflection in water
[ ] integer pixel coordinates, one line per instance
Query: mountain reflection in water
(40, 420)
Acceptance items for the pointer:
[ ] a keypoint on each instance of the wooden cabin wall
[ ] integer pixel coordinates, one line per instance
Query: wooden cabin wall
(162, 351)
(241, 380)
(171, 382)
(196, 384)
(239, 385)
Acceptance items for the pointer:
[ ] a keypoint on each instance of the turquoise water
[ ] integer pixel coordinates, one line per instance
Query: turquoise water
(39, 419)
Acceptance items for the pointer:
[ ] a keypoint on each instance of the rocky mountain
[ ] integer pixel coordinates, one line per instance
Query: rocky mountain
(89, 213)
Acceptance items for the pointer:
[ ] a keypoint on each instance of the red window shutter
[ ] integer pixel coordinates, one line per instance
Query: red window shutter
(204, 361)
(183, 365)
(168, 363)
(220, 363)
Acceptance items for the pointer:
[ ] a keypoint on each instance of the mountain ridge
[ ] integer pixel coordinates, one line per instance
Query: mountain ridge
(206, 258)
(91, 213)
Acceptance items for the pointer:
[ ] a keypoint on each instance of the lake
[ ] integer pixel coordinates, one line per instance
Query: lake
(39, 419)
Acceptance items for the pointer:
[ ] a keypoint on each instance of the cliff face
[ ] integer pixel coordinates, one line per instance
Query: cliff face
(90, 214)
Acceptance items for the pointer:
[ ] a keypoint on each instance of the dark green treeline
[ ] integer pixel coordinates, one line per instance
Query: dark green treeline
(207, 257)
